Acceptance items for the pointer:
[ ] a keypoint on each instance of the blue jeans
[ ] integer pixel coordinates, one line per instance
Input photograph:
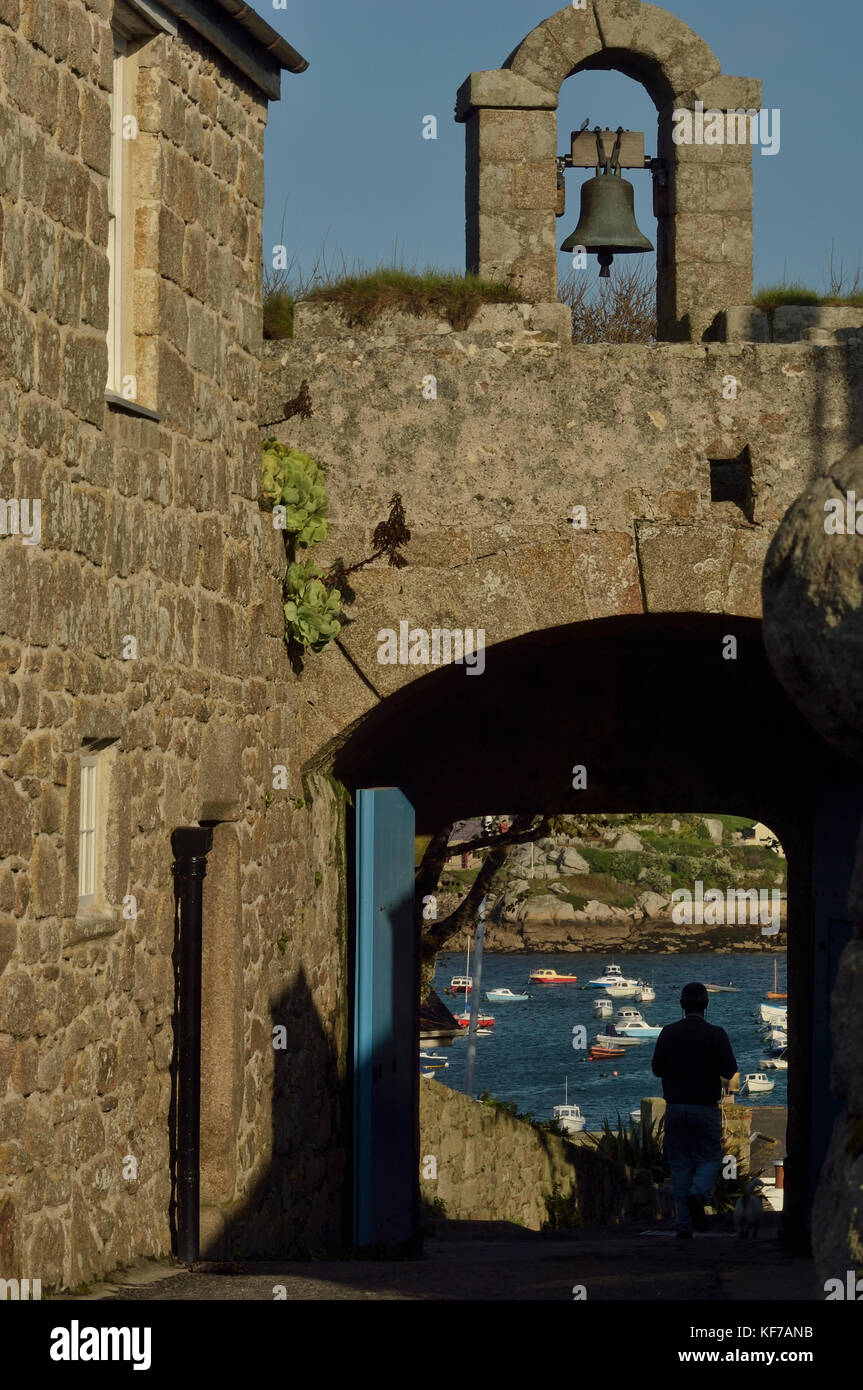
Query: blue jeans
(693, 1144)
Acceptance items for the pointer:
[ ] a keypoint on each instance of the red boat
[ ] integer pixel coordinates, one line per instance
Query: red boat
(484, 1021)
(598, 1054)
(551, 977)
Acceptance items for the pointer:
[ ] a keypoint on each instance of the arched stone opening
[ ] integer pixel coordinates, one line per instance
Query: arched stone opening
(662, 723)
(703, 204)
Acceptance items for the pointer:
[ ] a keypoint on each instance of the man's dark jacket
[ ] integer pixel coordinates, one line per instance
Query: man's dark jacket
(691, 1056)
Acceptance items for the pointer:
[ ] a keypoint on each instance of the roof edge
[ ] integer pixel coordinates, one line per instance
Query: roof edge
(285, 54)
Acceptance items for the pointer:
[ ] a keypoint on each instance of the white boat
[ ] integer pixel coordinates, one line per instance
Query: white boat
(774, 1063)
(617, 1039)
(433, 1059)
(777, 1036)
(602, 1008)
(569, 1117)
(645, 994)
(461, 984)
(635, 1116)
(627, 1013)
(504, 996)
(773, 1013)
(612, 975)
(626, 991)
(639, 1029)
(755, 1083)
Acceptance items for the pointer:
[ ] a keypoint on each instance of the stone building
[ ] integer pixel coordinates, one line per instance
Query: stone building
(146, 687)
(140, 632)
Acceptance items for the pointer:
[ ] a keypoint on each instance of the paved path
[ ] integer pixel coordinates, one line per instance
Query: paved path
(481, 1262)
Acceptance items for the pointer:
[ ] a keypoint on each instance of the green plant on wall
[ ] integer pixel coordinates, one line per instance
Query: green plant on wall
(311, 609)
(293, 485)
(292, 480)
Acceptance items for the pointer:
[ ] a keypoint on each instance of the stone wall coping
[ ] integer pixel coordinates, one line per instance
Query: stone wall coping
(498, 88)
(817, 324)
(550, 322)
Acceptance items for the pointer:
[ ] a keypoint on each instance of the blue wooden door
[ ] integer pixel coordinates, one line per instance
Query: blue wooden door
(837, 818)
(386, 1068)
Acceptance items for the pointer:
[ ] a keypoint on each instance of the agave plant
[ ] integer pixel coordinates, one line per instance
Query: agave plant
(293, 480)
(311, 610)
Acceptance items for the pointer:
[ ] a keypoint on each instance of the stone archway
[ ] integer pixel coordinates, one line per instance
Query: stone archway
(661, 724)
(704, 213)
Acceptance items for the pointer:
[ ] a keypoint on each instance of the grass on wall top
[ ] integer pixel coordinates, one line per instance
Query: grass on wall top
(365, 294)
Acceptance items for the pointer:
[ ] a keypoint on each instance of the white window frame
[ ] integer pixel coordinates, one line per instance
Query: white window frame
(134, 23)
(88, 830)
(95, 793)
(117, 220)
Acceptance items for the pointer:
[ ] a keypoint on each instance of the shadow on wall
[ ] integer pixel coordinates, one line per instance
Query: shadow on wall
(296, 1203)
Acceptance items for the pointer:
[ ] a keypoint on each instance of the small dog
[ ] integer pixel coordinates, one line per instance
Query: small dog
(748, 1210)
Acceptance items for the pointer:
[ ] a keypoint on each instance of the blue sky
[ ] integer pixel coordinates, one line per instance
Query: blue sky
(349, 174)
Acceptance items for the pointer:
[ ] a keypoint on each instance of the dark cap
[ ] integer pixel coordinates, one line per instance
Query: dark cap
(694, 996)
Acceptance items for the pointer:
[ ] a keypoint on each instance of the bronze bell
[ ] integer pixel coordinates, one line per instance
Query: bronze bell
(607, 222)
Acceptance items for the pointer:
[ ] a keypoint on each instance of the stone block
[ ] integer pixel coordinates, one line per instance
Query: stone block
(743, 323)
(555, 47)
(685, 568)
(219, 791)
(501, 88)
(608, 568)
(513, 136)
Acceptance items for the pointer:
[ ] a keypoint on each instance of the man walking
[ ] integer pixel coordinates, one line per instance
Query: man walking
(694, 1060)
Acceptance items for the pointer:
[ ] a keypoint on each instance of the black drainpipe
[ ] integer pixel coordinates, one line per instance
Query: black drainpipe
(191, 846)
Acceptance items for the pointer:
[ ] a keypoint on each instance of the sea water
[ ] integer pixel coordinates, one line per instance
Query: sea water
(530, 1051)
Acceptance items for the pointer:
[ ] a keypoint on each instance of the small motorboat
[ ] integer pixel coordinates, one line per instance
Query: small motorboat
(551, 977)
(645, 994)
(777, 1036)
(504, 996)
(569, 1117)
(640, 1029)
(611, 975)
(461, 984)
(756, 1083)
(774, 1013)
(774, 1063)
(722, 989)
(635, 1116)
(602, 1008)
(627, 1013)
(433, 1060)
(605, 1054)
(627, 990)
(617, 1039)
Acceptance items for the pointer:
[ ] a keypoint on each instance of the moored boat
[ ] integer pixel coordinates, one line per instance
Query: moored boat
(645, 994)
(461, 984)
(611, 975)
(616, 1039)
(602, 1008)
(551, 977)
(756, 1083)
(605, 1054)
(504, 996)
(484, 1023)
(569, 1117)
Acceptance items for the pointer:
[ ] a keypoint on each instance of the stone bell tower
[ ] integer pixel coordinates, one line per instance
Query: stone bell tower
(702, 194)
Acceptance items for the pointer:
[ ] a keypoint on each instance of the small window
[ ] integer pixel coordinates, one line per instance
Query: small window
(96, 787)
(88, 831)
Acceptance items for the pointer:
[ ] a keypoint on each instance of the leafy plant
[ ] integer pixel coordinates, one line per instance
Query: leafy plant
(311, 609)
(562, 1210)
(293, 480)
(635, 1145)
